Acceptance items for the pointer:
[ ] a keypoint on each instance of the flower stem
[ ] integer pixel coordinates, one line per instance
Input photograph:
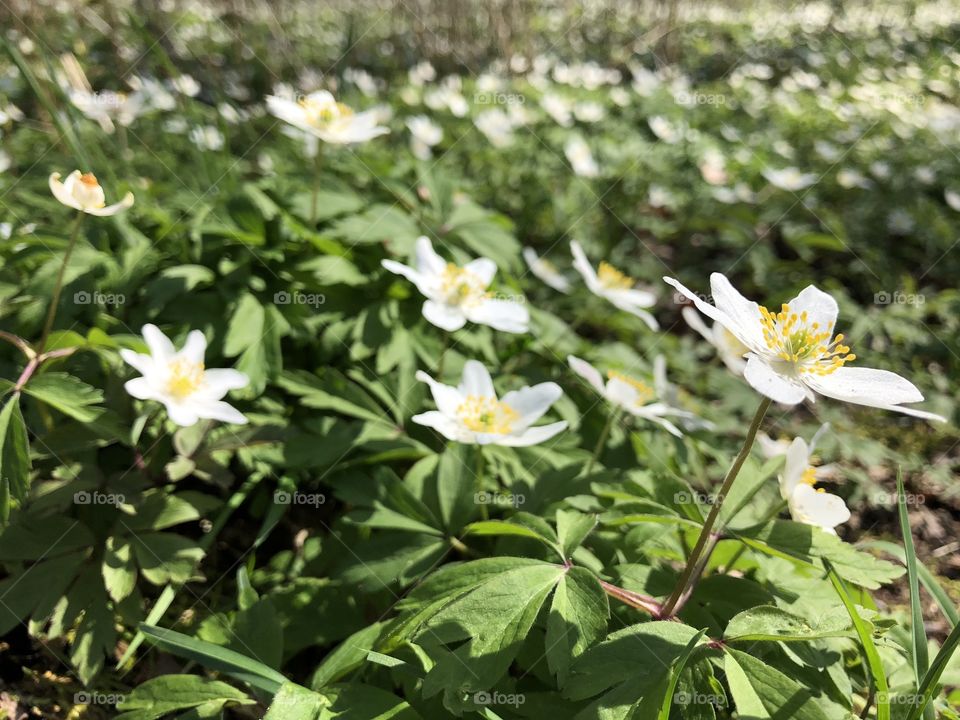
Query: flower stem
(602, 440)
(315, 195)
(707, 533)
(633, 599)
(484, 515)
(58, 287)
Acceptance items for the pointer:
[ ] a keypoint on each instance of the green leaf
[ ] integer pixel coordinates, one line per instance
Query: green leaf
(929, 683)
(95, 636)
(520, 525)
(163, 695)
(770, 623)
(258, 633)
(355, 701)
(578, 619)
(455, 485)
(572, 529)
(118, 569)
(166, 557)
(67, 394)
(14, 458)
(921, 660)
(761, 692)
(293, 702)
(347, 657)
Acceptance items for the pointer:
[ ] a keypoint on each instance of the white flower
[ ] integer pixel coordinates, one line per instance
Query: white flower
(789, 179)
(953, 199)
(850, 178)
(5, 161)
(794, 355)
(178, 379)
(806, 503)
(580, 157)
(186, 85)
(730, 350)
(589, 112)
(107, 107)
(81, 191)
(546, 271)
(612, 285)
(456, 294)
(496, 125)
(320, 115)
(207, 137)
(654, 403)
(424, 134)
(771, 448)
(471, 412)
(557, 108)
(664, 129)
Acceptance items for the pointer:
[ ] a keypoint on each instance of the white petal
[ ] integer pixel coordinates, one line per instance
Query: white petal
(624, 394)
(821, 509)
(141, 388)
(820, 307)
(444, 425)
(161, 349)
(745, 314)
(532, 436)
(583, 266)
(693, 319)
(532, 402)
(181, 414)
(141, 363)
(446, 317)
(109, 210)
(194, 348)
(428, 261)
(60, 190)
(715, 314)
(766, 381)
(622, 304)
(660, 383)
(865, 386)
(218, 382)
(408, 272)
(447, 398)
(588, 372)
(219, 410)
(483, 268)
(502, 315)
(476, 380)
(636, 298)
(795, 465)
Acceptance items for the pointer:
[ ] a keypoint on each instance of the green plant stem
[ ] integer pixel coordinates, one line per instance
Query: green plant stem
(602, 440)
(58, 287)
(484, 515)
(687, 577)
(315, 194)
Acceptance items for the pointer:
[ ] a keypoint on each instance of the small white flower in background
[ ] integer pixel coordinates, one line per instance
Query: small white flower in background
(589, 112)
(713, 167)
(207, 137)
(794, 355)
(730, 350)
(546, 271)
(448, 95)
(953, 199)
(580, 157)
(850, 178)
(790, 179)
(496, 125)
(925, 174)
(457, 294)
(179, 380)
(186, 85)
(5, 161)
(108, 107)
(471, 412)
(421, 73)
(424, 134)
(899, 222)
(619, 96)
(664, 129)
(365, 82)
(612, 285)
(654, 402)
(81, 191)
(660, 197)
(558, 108)
(771, 448)
(808, 504)
(320, 115)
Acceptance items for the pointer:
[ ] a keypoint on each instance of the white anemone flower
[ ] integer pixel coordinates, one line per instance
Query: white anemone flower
(179, 380)
(807, 503)
(654, 402)
(320, 115)
(580, 157)
(790, 179)
(793, 354)
(771, 448)
(82, 191)
(497, 126)
(612, 285)
(457, 294)
(545, 270)
(471, 413)
(424, 134)
(730, 350)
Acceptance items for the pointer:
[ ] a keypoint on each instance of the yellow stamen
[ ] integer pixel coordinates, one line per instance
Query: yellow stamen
(321, 113)
(793, 339)
(460, 286)
(645, 393)
(89, 179)
(613, 279)
(487, 415)
(185, 378)
(809, 476)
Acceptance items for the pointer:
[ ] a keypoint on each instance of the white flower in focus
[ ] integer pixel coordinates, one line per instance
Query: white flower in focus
(424, 134)
(808, 504)
(654, 402)
(179, 380)
(496, 125)
(730, 350)
(790, 179)
(580, 157)
(612, 285)
(321, 116)
(471, 413)
(82, 192)
(457, 294)
(794, 355)
(546, 271)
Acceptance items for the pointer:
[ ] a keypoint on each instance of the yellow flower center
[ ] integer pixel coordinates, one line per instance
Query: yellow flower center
(794, 339)
(320, 114)
(645, 393)
(185, 378)
(459, 286)
(486, 414)
(613, 279)
(809, 477)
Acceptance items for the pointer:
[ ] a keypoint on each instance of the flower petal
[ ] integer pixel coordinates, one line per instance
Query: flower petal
(444, 425)
(820, 307)
(483, 268)
(428, 261)
(502, 315)
(194, 348)
(181, 414)
(446, 317)
(588, 372)
(766, 381)
(408, 272)
(629, 307)
(140, 388)
(583, 266)
(219, 410)
(138, 361)
(219, 381)
(161, 349)
(865, 386)
(447, 398)
(745, 314)
(821, 509)
(109, 210)
(532, 402)
(532, 436)
(476, 380)
(795, 464)
(60, 190)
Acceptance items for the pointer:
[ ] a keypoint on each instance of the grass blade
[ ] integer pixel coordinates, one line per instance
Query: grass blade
(929, 683)
(874, 663)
